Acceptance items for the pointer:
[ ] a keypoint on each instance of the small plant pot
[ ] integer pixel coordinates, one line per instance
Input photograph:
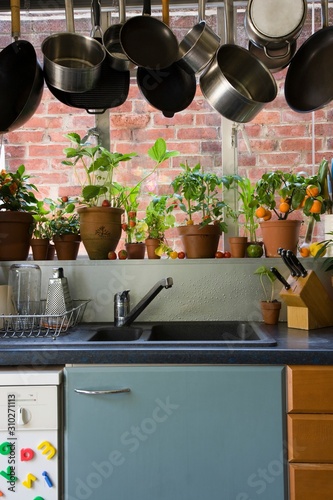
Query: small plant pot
(67, 246)
(151, 245)
(238, 246)
(200, 242)
(270, 312)
(39, 247)
(135, 250)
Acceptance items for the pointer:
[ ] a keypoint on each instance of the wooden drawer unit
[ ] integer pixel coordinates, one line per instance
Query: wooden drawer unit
(311, 481)
(310, 389)
(310, 432)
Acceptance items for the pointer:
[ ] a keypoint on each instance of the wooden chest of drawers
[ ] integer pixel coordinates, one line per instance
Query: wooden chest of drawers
(310, 432)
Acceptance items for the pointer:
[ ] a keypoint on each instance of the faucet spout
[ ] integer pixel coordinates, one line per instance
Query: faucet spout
(127, 320)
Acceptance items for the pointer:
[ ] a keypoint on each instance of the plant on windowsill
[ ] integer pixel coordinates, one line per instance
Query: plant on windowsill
(158, 220)
(279, 194)
(270, 307)
(101, 195)
(245, 215)
(17, 203)
(199, 195)
(65, 227)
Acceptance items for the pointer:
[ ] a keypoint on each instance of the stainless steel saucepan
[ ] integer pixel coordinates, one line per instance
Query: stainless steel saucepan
(236, 83)
(72, 62)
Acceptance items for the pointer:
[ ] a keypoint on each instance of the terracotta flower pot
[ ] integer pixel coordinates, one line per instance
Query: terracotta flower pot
(270, 312)
(67, 246)
(200, 242)
(151, 245)
(39, 247)
(238, 246)
(15, 234)
(100, 230)
(135, 250)
(280, 234)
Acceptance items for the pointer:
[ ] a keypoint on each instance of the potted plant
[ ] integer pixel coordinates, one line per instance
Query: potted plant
(17, 203)
(200, 196)
(102, 198)
(279, 194)
(247, 245)
(65, 227)
(158, 220)
(135, 230)
(270, 307)
(41, 233)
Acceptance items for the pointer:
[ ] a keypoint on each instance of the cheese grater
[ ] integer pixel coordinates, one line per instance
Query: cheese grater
(58, 299)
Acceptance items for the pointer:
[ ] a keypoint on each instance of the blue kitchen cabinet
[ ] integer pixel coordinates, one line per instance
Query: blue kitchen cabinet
(175, 433)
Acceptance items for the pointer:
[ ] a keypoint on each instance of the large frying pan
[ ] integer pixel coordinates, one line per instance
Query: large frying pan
(112, 86)
(171, 89)
(21, 78)
(147, 41)
(309, 80)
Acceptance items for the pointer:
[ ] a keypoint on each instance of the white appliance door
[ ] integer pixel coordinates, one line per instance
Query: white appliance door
(29, 454)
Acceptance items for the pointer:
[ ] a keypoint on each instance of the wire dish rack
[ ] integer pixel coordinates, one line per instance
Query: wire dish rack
(41, 325)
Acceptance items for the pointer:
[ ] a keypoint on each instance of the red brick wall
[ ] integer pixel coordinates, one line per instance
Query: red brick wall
(278, 137)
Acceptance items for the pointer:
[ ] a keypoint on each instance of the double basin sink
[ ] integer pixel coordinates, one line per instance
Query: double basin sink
(220, 333)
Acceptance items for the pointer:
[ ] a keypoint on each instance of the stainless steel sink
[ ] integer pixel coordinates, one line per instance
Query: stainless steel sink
(117, 334)
(226, 333)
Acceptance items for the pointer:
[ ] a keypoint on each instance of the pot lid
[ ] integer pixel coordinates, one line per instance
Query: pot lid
(276, 18)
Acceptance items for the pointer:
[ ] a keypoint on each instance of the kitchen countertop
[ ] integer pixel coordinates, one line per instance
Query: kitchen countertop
(293, 347)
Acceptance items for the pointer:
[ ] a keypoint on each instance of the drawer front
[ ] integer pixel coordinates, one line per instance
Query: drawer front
(310, 389)
(310, 438)
(311, 481)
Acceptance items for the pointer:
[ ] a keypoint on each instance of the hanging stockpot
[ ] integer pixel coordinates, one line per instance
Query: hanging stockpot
(236, 83)
(22, 81)
(112, 86)
(148, 42)
(199, 45)
(273, 27)
(308, 84)
(72, 62)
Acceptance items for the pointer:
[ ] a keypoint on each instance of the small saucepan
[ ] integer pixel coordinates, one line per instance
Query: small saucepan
(72, 62)
(236, 83)
(111, 39)
(199, 45)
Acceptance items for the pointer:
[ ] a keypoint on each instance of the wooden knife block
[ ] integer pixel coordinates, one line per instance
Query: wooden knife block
(309, 306)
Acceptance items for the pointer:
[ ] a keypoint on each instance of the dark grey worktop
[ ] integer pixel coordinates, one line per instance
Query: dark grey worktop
(293, 347)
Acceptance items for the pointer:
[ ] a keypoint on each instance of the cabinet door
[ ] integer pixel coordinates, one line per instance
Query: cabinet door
(181, 433)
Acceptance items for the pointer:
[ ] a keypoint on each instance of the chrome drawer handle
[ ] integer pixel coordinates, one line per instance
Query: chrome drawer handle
(110, 391)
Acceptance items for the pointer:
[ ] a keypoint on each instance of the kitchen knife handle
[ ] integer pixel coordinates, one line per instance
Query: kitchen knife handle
(297, 263)
(283, 253)
(280, 278)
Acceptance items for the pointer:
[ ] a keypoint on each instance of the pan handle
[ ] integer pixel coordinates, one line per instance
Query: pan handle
(324, 13)
(146, 8)
(16, 21)
(202, 10)
(229, 21)
(96, 19)
(122, 11)
(69, 9)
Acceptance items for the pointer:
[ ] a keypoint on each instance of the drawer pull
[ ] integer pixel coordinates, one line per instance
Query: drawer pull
(110, 391)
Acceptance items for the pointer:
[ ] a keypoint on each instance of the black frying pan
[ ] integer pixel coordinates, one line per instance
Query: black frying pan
(147, 41)
(171, 89)
(21, 78)
(309, 79)
(112, 87)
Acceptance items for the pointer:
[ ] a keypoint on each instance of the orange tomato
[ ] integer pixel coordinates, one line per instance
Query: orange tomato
(260, 212)
(312, 191)
(173, 255)
(316, 207)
